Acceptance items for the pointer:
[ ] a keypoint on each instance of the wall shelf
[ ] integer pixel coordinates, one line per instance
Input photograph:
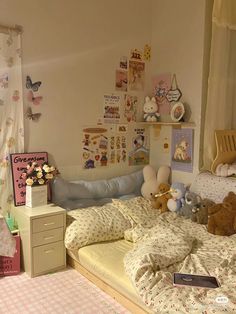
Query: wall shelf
(158, 125)
(177, 125)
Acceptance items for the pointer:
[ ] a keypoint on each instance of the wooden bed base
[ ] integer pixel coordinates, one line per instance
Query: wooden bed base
(128, 304)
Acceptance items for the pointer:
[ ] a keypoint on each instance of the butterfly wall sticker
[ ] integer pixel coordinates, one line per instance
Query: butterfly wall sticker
(34, 99)
(30, 85)
(32, 116)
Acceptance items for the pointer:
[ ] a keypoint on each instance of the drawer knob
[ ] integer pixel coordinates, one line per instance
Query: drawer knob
(48, 238)
(49, 224)
(49, 251)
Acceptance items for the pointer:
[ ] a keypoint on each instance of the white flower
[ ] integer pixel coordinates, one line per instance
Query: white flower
(49, 176)
(46, 168)
(41, 181)
(38, 169)
(52, 168)
(29, 181)
(39, 175)
(34, 164)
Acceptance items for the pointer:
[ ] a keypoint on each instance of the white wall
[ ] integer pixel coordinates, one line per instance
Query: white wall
(178, 44)
(74, 47)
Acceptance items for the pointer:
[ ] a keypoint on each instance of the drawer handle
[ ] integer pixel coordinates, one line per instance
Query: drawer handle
(49, 251)
(49, 224)
(48, 238)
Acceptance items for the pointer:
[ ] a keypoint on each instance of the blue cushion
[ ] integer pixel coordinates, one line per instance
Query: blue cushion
(82, 193)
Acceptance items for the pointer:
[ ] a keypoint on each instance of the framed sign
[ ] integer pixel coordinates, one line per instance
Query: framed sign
(177, 112)
(19, 162)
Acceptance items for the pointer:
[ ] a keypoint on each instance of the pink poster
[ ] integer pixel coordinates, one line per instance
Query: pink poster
(18, 164)
(161, 86)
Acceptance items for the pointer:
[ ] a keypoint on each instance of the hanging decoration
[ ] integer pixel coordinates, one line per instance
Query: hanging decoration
(174, 94)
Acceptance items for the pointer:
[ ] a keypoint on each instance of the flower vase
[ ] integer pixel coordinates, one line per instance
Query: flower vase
(36, 195)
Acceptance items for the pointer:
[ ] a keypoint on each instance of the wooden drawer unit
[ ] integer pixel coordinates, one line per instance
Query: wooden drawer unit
(49, 256)
(42, 232)
(46, 237)
(47, 223)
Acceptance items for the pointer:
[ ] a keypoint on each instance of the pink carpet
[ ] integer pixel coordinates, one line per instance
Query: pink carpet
(65, 292)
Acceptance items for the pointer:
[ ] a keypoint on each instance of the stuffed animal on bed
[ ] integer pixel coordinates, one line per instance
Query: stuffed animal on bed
(200, 214)
(192, 202)
(152, 180)
(222, 217)
(159, 200)
(176, 201)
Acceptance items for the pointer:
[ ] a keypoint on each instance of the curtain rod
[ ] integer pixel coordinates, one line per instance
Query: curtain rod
(17, 28)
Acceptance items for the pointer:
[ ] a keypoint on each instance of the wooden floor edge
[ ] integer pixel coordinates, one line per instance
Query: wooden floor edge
(127, 303)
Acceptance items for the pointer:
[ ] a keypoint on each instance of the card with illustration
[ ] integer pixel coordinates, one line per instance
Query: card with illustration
(182, 150)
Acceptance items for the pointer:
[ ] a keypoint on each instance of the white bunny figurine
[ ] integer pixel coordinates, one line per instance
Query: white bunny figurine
(152, 180)
(150, 110)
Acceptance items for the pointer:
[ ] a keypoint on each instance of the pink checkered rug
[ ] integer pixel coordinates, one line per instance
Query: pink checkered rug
(63, 292)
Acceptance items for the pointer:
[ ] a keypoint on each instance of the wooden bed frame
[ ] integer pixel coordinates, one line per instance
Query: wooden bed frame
(127, 303)
(225, 148)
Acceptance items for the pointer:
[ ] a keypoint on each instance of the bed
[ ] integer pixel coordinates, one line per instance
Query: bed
(137, 270)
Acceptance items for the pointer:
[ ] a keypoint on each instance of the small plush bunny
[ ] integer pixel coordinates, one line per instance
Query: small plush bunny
(150, 110)
(152, 180)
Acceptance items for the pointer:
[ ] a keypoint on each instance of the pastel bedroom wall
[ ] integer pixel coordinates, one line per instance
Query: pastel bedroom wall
(180, 44)
(74, 47)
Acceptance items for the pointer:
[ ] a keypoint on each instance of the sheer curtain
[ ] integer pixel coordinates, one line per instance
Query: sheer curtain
(11, 110)
(221, 98)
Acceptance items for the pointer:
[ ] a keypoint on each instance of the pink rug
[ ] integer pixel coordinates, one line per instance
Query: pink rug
(65, 292)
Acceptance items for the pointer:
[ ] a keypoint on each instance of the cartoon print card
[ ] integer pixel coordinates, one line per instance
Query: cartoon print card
(19, 162)
(111, 108)
(130, 107)
(94, 147)
(136, 75)
(121, 80)
(182, 150)
(139, 154)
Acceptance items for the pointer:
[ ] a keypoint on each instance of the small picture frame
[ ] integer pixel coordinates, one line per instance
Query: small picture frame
(177, 112)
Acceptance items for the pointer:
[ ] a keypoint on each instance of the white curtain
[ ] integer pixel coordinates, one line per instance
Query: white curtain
(221, 98)
(11, 111)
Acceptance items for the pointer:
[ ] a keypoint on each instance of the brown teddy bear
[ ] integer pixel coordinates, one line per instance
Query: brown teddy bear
(222, 217)
(200, 214)
(159, 200)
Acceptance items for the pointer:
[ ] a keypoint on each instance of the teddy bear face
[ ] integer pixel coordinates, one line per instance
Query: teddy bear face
(231, 198)
(163, 187)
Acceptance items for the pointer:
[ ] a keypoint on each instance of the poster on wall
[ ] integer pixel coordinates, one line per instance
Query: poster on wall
(111, 108)
(118, 149)
(161, 85)
(19, 163)
(130, 107)
(139, 154)
(121, 80)
(94, 147)
(182, 150)
(136, 75)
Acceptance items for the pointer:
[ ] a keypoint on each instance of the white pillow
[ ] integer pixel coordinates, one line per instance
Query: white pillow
(95, 224)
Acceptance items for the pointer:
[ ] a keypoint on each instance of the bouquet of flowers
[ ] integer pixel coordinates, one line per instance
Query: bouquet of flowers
(38, 175)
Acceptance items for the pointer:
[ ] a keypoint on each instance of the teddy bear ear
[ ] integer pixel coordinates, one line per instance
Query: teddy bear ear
(147, 98)
(153, 99)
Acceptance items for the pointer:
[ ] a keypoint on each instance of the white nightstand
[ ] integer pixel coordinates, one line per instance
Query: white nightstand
(42, 232)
